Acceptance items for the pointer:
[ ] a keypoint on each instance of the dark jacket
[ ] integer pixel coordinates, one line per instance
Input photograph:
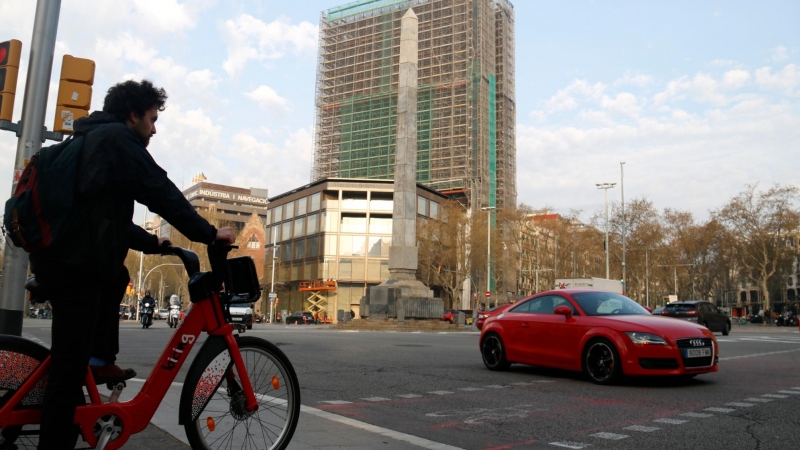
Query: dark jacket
(116, 170)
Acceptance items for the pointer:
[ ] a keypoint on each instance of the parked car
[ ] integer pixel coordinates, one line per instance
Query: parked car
(483, 315)
(658, 310)
(300, 317)
(701, 312)
(604, 334)
(450, 315)
(163, 313)
(242, 315)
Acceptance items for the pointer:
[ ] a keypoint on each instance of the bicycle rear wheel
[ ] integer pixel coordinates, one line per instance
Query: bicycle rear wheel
(214, 413)
(19, 358)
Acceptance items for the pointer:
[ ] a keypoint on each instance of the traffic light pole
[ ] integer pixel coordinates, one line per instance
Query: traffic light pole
(31, 136)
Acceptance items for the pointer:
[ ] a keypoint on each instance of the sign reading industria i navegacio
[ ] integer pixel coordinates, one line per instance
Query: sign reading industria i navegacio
(230, 196)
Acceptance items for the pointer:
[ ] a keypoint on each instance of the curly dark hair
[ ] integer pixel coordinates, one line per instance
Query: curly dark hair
(133, 96)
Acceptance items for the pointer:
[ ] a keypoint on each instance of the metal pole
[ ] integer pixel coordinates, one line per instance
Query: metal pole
(574, 260)
(647, 276)
(141, 264)
(622, 188)
(37, 84)
(272, 286)
(606, 234)
(537, 264)
(555, 259)
(675, 278)
(488, 253)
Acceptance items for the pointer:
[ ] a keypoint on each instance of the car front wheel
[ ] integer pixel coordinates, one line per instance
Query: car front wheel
(727, 330)
(494, 353)
(602, 362)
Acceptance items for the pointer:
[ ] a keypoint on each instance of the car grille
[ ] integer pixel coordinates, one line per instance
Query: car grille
(696, 362)
(658, 363)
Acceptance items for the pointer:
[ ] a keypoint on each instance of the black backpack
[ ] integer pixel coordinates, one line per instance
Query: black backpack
(41, 212)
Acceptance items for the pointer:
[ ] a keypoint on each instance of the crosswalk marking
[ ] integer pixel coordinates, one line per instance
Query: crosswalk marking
(574, 445)
(697, 415)
(470, 389)
(720, 410)
(774, 396)
(760, 400)
(739, 404)
(496, 386)
(440, 392)
(337, 402)
(375, 399)
(671, 421)
(611, 436)
(641, 428)
(409, 395)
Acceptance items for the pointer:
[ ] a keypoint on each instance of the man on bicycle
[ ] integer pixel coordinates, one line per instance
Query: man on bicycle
(115, 171)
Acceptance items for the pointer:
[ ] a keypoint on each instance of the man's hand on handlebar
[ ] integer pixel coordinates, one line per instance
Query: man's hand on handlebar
(225, 234)
(164, 242)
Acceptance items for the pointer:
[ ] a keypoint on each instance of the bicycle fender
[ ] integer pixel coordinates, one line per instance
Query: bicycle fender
(204, 377)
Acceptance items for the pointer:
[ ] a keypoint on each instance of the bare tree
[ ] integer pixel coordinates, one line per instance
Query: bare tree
(760, 223)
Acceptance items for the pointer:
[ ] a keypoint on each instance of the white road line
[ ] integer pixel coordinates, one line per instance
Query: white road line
(496, 386)
(697, 415)
(375, 399)
(758, 354)
(760, 400)
(720, 410)
(336, 402)
(520, 384)
(795, 388)
(409, 395)
(611, 436)
(575, 445)
(739, 404)
(440, 392)
(775, 396)
(789, 392)
(641, 428)
(33, 338)
(671, 421)
(543, 381)
(470, 389)
(771, 341)
(413, 440)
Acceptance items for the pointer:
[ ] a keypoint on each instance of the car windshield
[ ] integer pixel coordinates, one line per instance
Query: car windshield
(680, 307)
(608, 304)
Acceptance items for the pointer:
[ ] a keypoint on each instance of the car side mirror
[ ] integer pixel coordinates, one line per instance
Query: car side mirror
(649, 309)
(563, 310)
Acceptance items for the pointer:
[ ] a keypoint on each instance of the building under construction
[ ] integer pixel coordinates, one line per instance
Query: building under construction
(466, 100)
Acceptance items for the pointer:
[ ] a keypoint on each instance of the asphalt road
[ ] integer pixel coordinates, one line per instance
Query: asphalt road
(434, 386)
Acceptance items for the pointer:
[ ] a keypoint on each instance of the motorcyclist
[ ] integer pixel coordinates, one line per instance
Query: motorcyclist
(147, 299)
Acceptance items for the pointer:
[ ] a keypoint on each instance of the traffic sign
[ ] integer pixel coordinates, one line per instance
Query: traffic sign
(488, 294)
(273, 295)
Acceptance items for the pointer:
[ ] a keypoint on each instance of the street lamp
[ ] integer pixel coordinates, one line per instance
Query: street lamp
(488, 210)
(606, 187)
(622, 188)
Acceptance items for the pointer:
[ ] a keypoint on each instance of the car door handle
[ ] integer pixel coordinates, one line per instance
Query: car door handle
(524, 324)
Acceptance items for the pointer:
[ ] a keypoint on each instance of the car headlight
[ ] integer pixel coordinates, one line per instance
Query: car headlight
(645, 338)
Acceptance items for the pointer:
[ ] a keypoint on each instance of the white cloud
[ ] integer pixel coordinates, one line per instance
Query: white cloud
(780, 53)
(569, 98)
(248, 38)
(784, 81)
(723, 63)
(288, 163)
(735, 79)
(624, 103)
(268, 99)
(635, 80)
(674, 89)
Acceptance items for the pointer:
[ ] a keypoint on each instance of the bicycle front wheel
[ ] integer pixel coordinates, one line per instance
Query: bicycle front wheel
(215, 413)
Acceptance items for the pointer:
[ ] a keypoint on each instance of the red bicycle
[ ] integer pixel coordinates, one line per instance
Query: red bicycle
(239, 391)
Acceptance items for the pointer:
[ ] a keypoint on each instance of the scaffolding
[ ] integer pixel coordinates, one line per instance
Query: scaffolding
(356, 95)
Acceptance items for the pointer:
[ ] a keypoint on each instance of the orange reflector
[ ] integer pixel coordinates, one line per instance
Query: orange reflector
(276, 384)
(211, 425)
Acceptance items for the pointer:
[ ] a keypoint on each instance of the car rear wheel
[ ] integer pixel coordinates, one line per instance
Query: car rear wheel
(727, 330)
(494, 353)
(601, 362)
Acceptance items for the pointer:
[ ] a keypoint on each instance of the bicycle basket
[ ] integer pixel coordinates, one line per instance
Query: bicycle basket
(243, 286)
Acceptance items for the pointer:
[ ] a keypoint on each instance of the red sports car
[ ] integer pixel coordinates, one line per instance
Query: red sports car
(603, 334)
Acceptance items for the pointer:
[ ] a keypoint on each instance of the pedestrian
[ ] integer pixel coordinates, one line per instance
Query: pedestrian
(133, 313)
(115, 170)
(352, 314)
(47, 309)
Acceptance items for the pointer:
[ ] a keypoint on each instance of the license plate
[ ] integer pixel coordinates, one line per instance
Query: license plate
(698, 352)
(237, 319)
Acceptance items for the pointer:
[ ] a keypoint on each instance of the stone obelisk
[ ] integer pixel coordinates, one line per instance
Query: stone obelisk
(402, 289)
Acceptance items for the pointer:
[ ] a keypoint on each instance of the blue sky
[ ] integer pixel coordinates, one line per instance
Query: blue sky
(698, 98)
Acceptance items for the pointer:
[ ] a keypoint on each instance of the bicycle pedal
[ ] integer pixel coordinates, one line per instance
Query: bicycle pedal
(118, 385)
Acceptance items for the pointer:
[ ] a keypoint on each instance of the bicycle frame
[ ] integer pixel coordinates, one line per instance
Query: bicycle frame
(135, 414)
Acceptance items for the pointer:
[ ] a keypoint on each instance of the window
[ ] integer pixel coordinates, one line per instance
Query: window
(277, 214)
(330, 245)
(422, 206)
(313, 224)
(354, 202)
(253, 243)
(301, 206)
(286, 231)
(381, 204)
(312, 247)
(315, 200)
(354, 224)
(352, 245)
(330, 221)
(299, 249)
(286, 251)
(299, 227)
(288, 210)
(380, 225)
(434, 210)
(379, 246)
(345, 268)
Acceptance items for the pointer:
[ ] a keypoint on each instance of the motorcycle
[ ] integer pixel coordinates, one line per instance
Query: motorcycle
(147, 314)
(174, 316)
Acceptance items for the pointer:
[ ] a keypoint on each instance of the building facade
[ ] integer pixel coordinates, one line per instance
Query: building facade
(466, 96)
(338, 230)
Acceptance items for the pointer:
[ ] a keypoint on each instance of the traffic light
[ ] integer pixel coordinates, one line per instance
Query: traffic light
(74, 92)
(9, 69)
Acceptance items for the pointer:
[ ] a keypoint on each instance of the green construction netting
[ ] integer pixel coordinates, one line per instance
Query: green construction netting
(360, 7)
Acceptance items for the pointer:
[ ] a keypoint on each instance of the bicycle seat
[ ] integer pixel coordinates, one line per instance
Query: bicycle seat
(33, 286)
